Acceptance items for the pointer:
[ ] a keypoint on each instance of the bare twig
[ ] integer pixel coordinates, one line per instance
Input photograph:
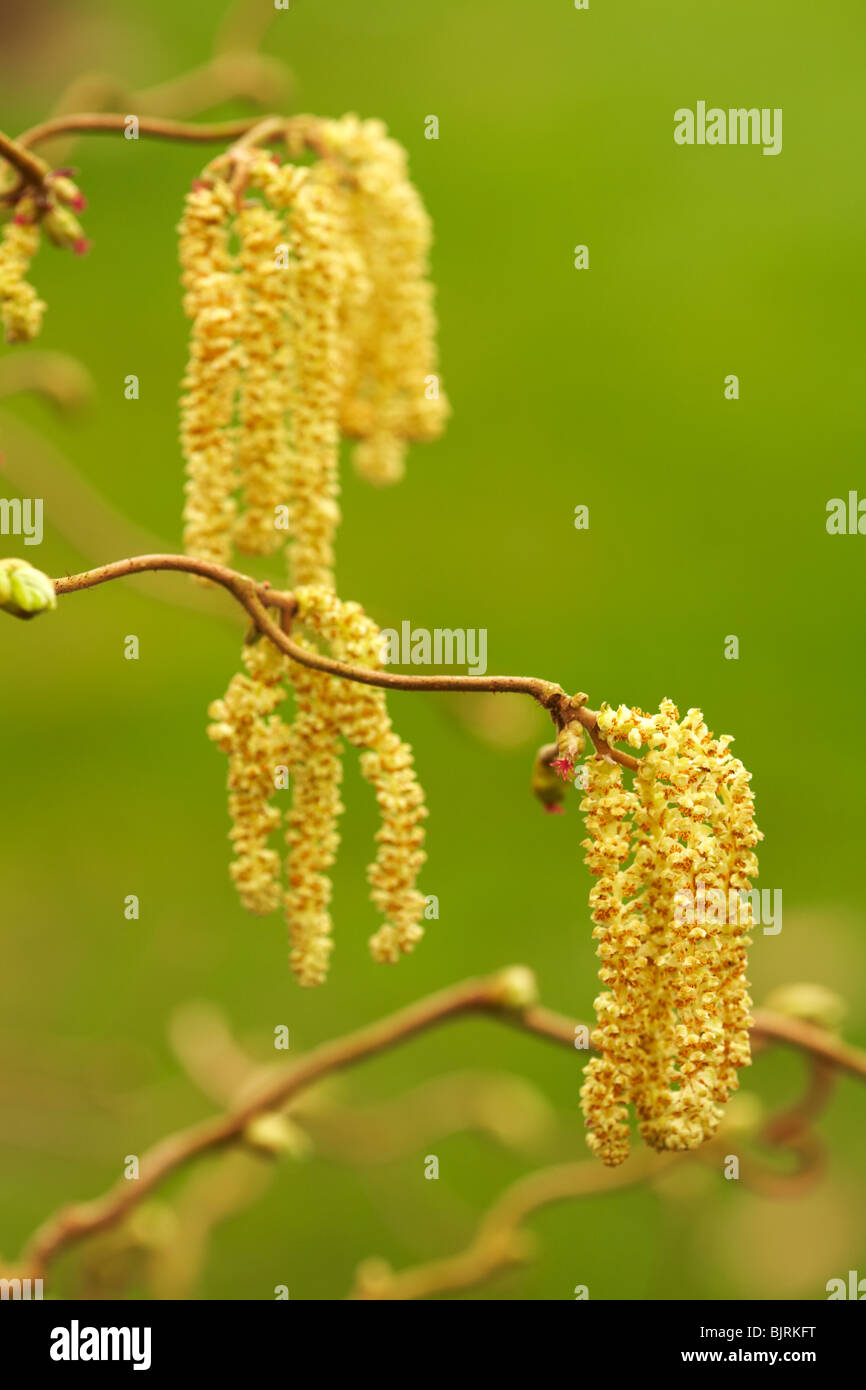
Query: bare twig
(256, 598)
(114, 122)
(492, 996)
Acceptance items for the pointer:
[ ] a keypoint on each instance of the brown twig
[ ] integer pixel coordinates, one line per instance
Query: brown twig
(493, 996)
(500, 1242)
(72, 1223)
(114, 122)
(31, 168)
(256, 598)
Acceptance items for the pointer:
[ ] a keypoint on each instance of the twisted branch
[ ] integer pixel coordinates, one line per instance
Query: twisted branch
(257, 597)
(497, 996)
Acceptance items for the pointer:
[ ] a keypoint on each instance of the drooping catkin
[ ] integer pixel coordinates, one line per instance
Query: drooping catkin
(327, 711)
(392, 391)
(672, 931)
(265, 365)
(209, 389)
(317, 285)
(312, 820)
(20, 306)
(360, 712)
(257, 743)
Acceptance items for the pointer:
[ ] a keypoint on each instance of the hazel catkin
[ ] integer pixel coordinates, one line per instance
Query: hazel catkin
(673, 1021)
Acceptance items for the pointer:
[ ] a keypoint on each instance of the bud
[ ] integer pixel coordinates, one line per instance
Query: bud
(25, 591)
(545, 782)
(811, 1003)
(514, 988)
(63, 229)
(275, 1135)
(68, 192)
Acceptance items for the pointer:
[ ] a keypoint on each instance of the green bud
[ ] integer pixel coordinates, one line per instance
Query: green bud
(63, 228)
(811, 1003)
(67, 192)
(25, 591)
(515, 988)
(275, 1135)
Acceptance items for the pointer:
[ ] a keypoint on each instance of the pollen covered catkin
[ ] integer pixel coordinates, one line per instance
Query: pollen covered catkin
(20, 306)
(209, 389)
(334, 333)
(246, 728)
(317, 285)
(672, 858)
(265, 364)
(391, 393)
(360, 712)
(312, 835)
(328, 711)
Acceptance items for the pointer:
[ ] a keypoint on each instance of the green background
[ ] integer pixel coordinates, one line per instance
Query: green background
(601, 387)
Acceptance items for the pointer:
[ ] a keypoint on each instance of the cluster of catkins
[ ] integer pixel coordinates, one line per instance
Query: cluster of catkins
(312, 316)
(264, 753)
(673, 1020)
(29, 212)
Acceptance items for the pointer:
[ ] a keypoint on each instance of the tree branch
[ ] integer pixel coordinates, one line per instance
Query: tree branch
(114, 122)
(72, 1223)
(495, 996)
(256, 598)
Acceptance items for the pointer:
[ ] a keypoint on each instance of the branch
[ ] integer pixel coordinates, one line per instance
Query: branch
(498, 996)
(500, 1242)
(113, 123)
(31, 168)
(808, 1037)
(490, 995)
(256, 597)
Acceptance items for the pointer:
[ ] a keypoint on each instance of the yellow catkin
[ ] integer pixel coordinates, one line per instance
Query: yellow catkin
(610, 1078)
(317, 286)
(360, 713)
(21, 308)
(673, 1026)
(312, 825)
(208, 400)
(263, 331)
(392, 391)
(257, 743)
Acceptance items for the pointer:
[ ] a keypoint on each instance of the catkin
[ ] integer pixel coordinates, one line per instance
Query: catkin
(209, 387)
(312, 833)
(246, 728)
(360, 712)
(265, 363)
(673, 1023)
(328, 711)
(392, 392)
(317, 290)
(21, 308)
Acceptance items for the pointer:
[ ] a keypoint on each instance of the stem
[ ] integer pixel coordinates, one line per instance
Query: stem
(112, 122)
(31, 168)
(487, 996)
(256, 598)
(72, 1223)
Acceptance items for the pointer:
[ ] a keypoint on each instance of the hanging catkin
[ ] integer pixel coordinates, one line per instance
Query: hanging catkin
(671, 858)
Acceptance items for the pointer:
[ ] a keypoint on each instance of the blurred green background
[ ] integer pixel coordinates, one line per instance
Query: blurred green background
(602, 387)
